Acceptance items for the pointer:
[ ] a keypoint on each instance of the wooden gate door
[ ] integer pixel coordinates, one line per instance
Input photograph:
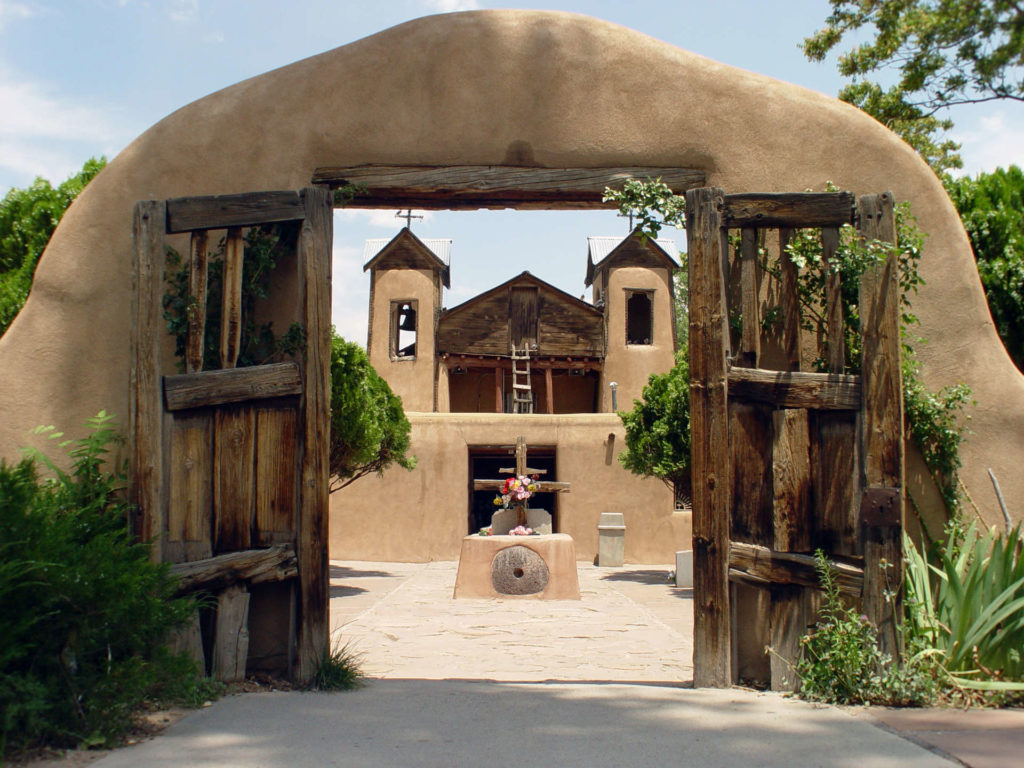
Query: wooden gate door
(788, 461)
(228, 467)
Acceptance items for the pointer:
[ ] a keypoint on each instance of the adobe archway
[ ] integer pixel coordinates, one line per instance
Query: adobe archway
(492, 88)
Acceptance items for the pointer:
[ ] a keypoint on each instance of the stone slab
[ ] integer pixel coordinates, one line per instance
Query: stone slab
(504, 520)
(477, 578)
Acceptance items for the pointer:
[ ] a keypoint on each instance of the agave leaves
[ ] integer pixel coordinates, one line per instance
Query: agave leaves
(969, 605)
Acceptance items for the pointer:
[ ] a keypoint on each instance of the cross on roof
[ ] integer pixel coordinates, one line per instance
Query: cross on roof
(629, 215)
(408, 216)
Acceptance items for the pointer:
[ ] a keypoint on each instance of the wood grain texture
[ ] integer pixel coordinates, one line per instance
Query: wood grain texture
(234, 385)
(798, 209)
(253, 565)
(791, 568)
(790, 298)
(231, 638)
(435, 187)
(750, 449)
(190, 486)
(823, 391)
(791, 463)
(835, 326)
(146, 443)
(276, 475)
(882, 420)
(314, 274)
(197, 282)
(231, 307)
(794, 611)
(234, 440)
(712, 654)
(185, 214)
(835, 479)
(750, 287)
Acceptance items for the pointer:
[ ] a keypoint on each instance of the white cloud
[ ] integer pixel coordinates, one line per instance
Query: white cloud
(991, 141)
(385, 218)
(448, 6)
(350, 293)
(14, 11)
(183, 11)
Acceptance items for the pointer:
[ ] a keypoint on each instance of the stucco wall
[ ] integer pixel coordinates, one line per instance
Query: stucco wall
(489, 87)
(433, 516)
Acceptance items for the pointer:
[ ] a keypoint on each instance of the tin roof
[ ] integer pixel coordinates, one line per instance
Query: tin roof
(440, 246)
(599, 247)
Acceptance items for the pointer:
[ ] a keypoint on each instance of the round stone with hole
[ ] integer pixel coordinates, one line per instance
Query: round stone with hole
(518, 570)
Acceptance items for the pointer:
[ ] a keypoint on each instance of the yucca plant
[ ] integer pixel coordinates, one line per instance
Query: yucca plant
(969, 605)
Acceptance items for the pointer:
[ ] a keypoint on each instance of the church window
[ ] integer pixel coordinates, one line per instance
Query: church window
(403, 330)
(639, 317)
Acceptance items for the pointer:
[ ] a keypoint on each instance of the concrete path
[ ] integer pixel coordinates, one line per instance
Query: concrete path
(602, 681)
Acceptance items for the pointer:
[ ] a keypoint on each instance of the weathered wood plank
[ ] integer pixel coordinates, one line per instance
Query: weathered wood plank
(314, 276)
(146, 443)
(233, 385)
(798, 209)
(790, 298)
(712, 653)
(484, 186)
(750, 449)
(750, 286)
(498, 380)
(234, 440)
(824, 391)
(190, 486)
(791, 568)
(835, 479)
(276, 475)
(549, 391)
(794, 611)
(189, 640)
(253, 565)
(231, 640)
(231, 309)
(882, 420)
(197, 283)
(791, 462)
(835, 328)
(185, 214)
(750, 605)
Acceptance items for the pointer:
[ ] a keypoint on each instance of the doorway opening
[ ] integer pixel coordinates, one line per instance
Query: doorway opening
(486, 463)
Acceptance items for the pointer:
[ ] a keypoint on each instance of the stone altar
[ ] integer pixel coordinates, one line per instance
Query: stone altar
(538, 567)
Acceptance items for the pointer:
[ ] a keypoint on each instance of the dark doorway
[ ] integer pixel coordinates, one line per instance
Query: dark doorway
(485, 463)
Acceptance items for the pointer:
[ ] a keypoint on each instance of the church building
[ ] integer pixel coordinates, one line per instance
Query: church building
(523, 359)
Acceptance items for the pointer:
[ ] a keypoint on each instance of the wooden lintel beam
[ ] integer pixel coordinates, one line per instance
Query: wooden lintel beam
(186, 214)
(543, 486)
(252, 565)
(793, 389)
(235, 385)
(493, 186)
(799, 209)
(768, 565)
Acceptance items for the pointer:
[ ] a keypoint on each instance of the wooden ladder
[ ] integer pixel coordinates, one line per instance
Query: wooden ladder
(522, 390)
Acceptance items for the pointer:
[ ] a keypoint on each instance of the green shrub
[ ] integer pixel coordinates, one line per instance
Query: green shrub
(85, 611)
(337, 670)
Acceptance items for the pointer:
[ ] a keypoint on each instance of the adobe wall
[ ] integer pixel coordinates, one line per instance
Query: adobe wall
(494, 87)
(434, 514)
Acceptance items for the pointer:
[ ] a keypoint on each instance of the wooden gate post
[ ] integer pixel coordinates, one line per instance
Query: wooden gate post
(712, 655)
(882, 514)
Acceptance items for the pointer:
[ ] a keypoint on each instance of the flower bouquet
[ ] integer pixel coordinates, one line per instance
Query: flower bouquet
(515, 493)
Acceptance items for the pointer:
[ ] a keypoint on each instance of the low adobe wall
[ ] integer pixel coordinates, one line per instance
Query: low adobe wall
(435, 498)
(496, 87)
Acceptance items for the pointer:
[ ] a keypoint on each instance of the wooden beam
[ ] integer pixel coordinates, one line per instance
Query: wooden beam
(882, 421)
(231, 301)
(499, 375)
(314, 280)
(750, 288)
(195, 343)
(790, 568)
(253, 565)
(799, 209)
(794, 389)
(185, 214)
(231, 638)
(146, 418)
(790, 298)
(437, 187)
(712, 655)
(543, 486)
(234, 385)
(835, 325)
(550, 391)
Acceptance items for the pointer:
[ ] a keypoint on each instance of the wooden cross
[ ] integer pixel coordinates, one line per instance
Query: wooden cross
(408, 216)
(543, 486)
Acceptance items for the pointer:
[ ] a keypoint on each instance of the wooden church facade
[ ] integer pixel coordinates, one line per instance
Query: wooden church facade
(521, 359)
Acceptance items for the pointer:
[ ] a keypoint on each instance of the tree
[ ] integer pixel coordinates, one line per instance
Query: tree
(369, 430)
(942, 52)
(28, 218)
(658, 429)
(991, 206)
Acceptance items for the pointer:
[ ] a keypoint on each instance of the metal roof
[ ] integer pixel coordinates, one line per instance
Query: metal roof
(600, 246)
(440, 246)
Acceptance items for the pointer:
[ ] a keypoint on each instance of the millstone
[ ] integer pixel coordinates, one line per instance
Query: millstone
(518, 570)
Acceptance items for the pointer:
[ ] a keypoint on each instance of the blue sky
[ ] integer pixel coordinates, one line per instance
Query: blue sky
(84, 77)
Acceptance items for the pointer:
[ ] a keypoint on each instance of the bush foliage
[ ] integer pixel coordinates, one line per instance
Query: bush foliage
(86, 613)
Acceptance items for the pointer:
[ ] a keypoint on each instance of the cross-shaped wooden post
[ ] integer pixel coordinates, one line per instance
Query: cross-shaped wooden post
(522, 469)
